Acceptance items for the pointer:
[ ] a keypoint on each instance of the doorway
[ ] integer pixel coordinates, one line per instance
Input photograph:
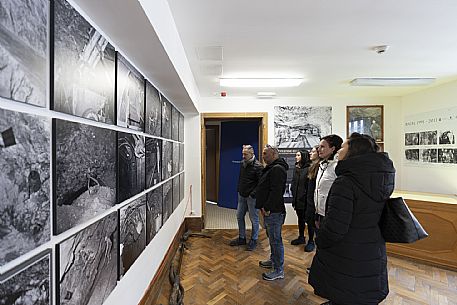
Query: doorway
(221, 156)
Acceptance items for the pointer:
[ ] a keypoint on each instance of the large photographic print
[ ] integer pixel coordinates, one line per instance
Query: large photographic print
(174, 123)
(153, 161)
(153, 111)
(85, 172)
(181, 157)
(30, 285)
(83, 67)
(153, 213)
(130, 95)
(167, 156)
(175, 192)
(132, 233)
(167, 203)
(23, 49)
(289, 157)
(88, 264)
(132, 165)
(181, 127)
(24, 183)
(301, 126)
(367, 120)
(175, 158)
(166, 118)
(181, 187)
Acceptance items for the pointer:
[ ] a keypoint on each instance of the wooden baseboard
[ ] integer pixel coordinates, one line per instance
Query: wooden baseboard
(194, 224)
(290, 226)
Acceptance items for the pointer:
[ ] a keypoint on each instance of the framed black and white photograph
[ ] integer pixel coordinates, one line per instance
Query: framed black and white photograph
(447, 155)
(84, 67)
(412, 154)
(181, 157)
(301, 126)
(289, 157)
(132, 165)
(130, 95)
(23, 50)
(167, 202)
(428, 155)
(166, 117)
(181, 127)
(132, 233)
(25, 156)
(153, 161)
(174, 123)
(28, 283)
(153, 111)
(167, 156)
(85, 172)
(411, 138)
(446, 137)
(181, 187)
(367, 120)
(176, 159)
(88, 263)
(428, 137)
(153, 213)
(175, 192)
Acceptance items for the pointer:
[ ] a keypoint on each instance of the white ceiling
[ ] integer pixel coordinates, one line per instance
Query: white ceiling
(327, 42)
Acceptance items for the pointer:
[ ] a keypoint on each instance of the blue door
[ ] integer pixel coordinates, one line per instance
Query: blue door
(233, 136)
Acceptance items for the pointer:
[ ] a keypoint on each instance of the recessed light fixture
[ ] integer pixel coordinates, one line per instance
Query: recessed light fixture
(392, 81)
(260, 82)
(266, 94)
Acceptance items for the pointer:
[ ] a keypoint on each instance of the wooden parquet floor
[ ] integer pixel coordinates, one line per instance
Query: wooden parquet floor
(214, 273)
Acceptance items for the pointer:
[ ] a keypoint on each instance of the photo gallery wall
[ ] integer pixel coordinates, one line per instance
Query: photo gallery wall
(75, 161)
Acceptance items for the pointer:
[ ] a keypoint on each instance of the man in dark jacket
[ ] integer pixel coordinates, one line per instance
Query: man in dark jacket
(270, 201)
(250, 172)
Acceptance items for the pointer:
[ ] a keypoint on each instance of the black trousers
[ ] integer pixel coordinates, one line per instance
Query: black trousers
(302, 223)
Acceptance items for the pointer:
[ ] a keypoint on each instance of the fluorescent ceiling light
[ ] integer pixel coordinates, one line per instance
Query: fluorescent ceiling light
(266, 94)
(392, 81)
(260, 82)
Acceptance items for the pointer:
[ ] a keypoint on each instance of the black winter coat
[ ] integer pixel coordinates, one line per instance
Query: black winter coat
(249, 177)
(350, 265)
(271, 187)
(310, 206)
(299, 187)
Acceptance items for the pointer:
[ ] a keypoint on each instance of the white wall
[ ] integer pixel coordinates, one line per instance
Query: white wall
(441, 179)
(246, 104)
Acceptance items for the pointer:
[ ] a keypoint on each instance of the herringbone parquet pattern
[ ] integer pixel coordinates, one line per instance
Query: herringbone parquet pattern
(215, 273)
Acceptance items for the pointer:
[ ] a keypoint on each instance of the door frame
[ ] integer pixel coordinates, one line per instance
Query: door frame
(227, 116)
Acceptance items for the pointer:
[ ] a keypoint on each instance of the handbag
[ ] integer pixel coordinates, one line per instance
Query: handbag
(398, 224)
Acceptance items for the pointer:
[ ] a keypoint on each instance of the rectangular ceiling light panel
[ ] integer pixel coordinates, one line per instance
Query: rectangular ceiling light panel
(392, 81)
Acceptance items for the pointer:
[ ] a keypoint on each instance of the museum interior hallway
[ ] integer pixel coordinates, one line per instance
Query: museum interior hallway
(215, 273)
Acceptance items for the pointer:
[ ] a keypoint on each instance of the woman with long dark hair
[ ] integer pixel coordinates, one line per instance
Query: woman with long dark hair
(350, 265)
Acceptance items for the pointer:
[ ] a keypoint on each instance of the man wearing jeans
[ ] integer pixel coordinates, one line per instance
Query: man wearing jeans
(250, 172)
(270, 201)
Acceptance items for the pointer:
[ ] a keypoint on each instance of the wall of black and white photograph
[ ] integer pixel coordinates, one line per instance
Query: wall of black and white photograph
(175, 159)
(181, 127)
(166, 117)
(447, 155)
(447, 137)
(132, 165)
(132, 233)
(153, 213)
(85, 172)
(167, 159)
(29, 284)
(429, 155)
(175, 192)
(411, 138)
(153, 121)
(428, 137)
(289, 156)
(153, 161)
(167, 202)
(130, 95)
(181, 187)
(23, 50)
(181, 157)
(174, 123)
(412, 154)
(25, 156)
(88, 264)
(84, 67)
(301, 126)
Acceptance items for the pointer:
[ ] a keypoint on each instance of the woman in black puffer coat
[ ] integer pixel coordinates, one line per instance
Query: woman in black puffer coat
(350, 266)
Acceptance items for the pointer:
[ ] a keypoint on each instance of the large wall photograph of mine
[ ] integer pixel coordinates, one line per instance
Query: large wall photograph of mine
(91, 157)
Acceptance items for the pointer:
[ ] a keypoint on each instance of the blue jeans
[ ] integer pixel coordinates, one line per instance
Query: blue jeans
(247, 204)
(274, 224)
